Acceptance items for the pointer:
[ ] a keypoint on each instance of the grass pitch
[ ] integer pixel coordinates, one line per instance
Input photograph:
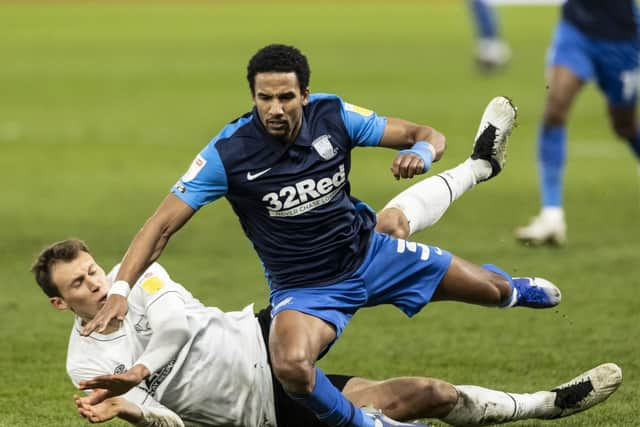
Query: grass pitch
(103, 106)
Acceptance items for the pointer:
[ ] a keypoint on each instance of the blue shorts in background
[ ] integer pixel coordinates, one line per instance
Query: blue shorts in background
(614, 64)
(398, 272)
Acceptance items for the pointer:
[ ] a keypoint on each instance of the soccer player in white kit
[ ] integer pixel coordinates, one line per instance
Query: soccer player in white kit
(182, 363)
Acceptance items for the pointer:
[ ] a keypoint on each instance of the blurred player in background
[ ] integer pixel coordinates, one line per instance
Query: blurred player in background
(594, 40)
(284, 168)
(181, 363)
(492, 52)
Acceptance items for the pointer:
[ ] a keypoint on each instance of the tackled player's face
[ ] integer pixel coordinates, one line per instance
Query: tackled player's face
(82, 284)
(279, 102)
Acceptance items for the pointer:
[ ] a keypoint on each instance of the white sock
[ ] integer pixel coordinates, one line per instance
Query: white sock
(553, 213)
(481, 168)
(424, 203)
(481, 406)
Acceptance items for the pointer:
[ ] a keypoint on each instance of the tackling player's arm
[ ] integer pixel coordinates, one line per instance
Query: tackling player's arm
(145, 248)
(420, 146)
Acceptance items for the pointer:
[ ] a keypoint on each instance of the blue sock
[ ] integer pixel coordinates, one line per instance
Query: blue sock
(484, 19)
(330, 405)
(635, 144)
(498, 270)
(552, 154)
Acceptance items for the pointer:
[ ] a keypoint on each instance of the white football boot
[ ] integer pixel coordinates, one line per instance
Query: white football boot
(586, 390)
(491, 54)
(549, 227)
(490, 145)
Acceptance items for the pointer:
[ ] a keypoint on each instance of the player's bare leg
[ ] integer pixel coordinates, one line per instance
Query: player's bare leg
(626, 126)
(404, 399)
(490, 286)
(470, 283)
(410, 398)
(549, 226)
(295, 341)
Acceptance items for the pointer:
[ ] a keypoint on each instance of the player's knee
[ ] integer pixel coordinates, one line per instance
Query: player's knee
(393, 222)
(294, 370)
(555, 115)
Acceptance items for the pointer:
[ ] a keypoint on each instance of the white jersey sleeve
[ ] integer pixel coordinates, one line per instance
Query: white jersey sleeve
(159, 298)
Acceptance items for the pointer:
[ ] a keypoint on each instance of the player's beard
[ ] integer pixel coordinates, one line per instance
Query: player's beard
(279, 128)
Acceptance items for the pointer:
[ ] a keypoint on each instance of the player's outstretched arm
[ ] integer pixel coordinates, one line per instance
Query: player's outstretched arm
(420, 146)
(145, 248)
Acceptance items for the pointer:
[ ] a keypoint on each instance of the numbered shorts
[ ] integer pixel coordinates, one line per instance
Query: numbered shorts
(398, 272)
(614, 64)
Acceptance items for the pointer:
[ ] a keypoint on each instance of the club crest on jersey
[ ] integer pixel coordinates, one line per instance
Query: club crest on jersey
(323, 146)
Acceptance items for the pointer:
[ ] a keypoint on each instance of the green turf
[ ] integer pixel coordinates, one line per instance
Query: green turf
(102, 108)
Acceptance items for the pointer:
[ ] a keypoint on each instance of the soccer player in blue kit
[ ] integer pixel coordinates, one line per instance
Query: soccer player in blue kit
(594, 40)
(284, 167)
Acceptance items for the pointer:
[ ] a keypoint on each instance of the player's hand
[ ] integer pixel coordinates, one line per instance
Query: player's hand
(114, 308)
(113, 385)
(407, 165)
(100, 412)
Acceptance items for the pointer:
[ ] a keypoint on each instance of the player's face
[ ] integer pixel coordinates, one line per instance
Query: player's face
(279, 102)
(82, 284)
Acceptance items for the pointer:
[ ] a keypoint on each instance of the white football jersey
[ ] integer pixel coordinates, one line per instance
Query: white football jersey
(221, 377)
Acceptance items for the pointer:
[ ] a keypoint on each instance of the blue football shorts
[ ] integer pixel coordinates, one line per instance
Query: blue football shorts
(614, 64)
(395, 271)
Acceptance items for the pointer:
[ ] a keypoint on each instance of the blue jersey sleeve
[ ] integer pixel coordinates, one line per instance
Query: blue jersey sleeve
(205, 181)
(364, 126)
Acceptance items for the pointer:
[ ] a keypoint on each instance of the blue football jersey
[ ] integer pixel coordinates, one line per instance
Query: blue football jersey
(293, 201)
(603, 19)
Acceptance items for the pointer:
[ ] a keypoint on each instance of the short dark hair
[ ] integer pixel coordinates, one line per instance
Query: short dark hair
(279, 58)
(66, 250)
